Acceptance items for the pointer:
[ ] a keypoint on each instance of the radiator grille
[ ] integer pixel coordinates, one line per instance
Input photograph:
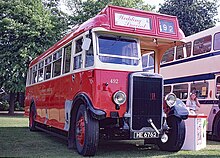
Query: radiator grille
(147, 102)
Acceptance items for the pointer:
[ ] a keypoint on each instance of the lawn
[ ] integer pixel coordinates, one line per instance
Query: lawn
(17, 141)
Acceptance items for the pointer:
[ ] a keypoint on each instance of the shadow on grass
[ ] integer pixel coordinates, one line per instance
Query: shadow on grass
(20, 142)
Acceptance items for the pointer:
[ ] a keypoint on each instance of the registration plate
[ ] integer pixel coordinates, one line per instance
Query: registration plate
(146, 135)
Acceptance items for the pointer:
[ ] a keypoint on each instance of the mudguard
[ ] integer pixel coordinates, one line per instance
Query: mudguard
(179, 110)
(95, 113)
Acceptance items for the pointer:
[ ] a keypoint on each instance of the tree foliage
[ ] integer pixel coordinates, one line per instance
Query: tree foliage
(193, 15)
(27, 29)
(83, 10)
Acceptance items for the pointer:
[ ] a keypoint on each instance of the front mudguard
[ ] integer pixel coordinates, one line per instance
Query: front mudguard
(179, 110)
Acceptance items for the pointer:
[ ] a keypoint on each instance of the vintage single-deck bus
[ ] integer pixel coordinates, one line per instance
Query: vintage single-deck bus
(90, 85)
(195, 66)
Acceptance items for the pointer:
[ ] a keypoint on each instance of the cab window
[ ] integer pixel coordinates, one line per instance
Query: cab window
(118, 50)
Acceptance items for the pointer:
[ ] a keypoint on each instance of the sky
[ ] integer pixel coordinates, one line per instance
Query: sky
(151, 2)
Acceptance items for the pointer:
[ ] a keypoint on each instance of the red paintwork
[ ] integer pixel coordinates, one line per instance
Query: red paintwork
(197, 116)
(50, 96)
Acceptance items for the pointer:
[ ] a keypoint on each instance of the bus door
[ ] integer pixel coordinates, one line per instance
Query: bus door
(217, 91)
(215, 107)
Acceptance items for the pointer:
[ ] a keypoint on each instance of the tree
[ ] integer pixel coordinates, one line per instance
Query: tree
(193, 15)
(27, 29)
(83, 10)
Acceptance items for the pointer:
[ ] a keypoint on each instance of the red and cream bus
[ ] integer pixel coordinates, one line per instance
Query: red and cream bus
(90, 85)
(195, 66)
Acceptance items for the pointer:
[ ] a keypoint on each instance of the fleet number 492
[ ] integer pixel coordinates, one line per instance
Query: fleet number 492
(114, 81)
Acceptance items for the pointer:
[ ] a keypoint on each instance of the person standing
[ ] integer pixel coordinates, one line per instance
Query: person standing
(192, 102)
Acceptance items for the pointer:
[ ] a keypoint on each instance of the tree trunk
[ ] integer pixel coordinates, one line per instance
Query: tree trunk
(11, 104)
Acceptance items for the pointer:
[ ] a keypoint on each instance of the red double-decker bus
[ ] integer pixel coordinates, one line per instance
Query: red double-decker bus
(90, 84)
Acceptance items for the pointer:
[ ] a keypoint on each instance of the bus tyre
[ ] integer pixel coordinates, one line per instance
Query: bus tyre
(176, 135)
(32, 116)
(86, 132)
(217, 129)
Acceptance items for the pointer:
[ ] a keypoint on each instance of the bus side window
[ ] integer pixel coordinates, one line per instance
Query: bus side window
(40, 71)
(30, 76)
(34, 74)
(181, 91)
(202, 45)
(145, 61)
(167, 90)
(78, 54)
(89, 57)
(47, 68)
(217, 86)
(57, 57)
(151, 59)
(67, 58)
(168, 56)
(201, 89)
(217, 41)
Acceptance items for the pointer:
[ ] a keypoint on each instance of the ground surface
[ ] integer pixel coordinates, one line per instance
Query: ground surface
(17, 141)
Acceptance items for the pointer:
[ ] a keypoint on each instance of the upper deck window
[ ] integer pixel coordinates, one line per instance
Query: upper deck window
(168, 56)
(217, 41)
(188, 46)
(202, 45)
(118, 50)
(179, 52)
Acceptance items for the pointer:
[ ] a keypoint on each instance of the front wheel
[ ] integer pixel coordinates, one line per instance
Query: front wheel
(86, 132)
(176, 135)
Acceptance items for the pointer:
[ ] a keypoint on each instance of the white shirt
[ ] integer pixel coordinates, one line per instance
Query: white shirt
(191, 104)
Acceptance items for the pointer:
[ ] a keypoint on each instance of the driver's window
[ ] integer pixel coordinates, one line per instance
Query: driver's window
(78, 54)
(89, 57)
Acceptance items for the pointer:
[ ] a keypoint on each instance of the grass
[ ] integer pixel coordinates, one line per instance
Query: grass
(17, 141)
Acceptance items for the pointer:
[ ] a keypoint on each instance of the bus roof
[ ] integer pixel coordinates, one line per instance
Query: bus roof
(125, 20)
(203, 33)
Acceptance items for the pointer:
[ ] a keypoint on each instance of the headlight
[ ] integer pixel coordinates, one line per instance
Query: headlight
(170, 99)
(119, 97)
